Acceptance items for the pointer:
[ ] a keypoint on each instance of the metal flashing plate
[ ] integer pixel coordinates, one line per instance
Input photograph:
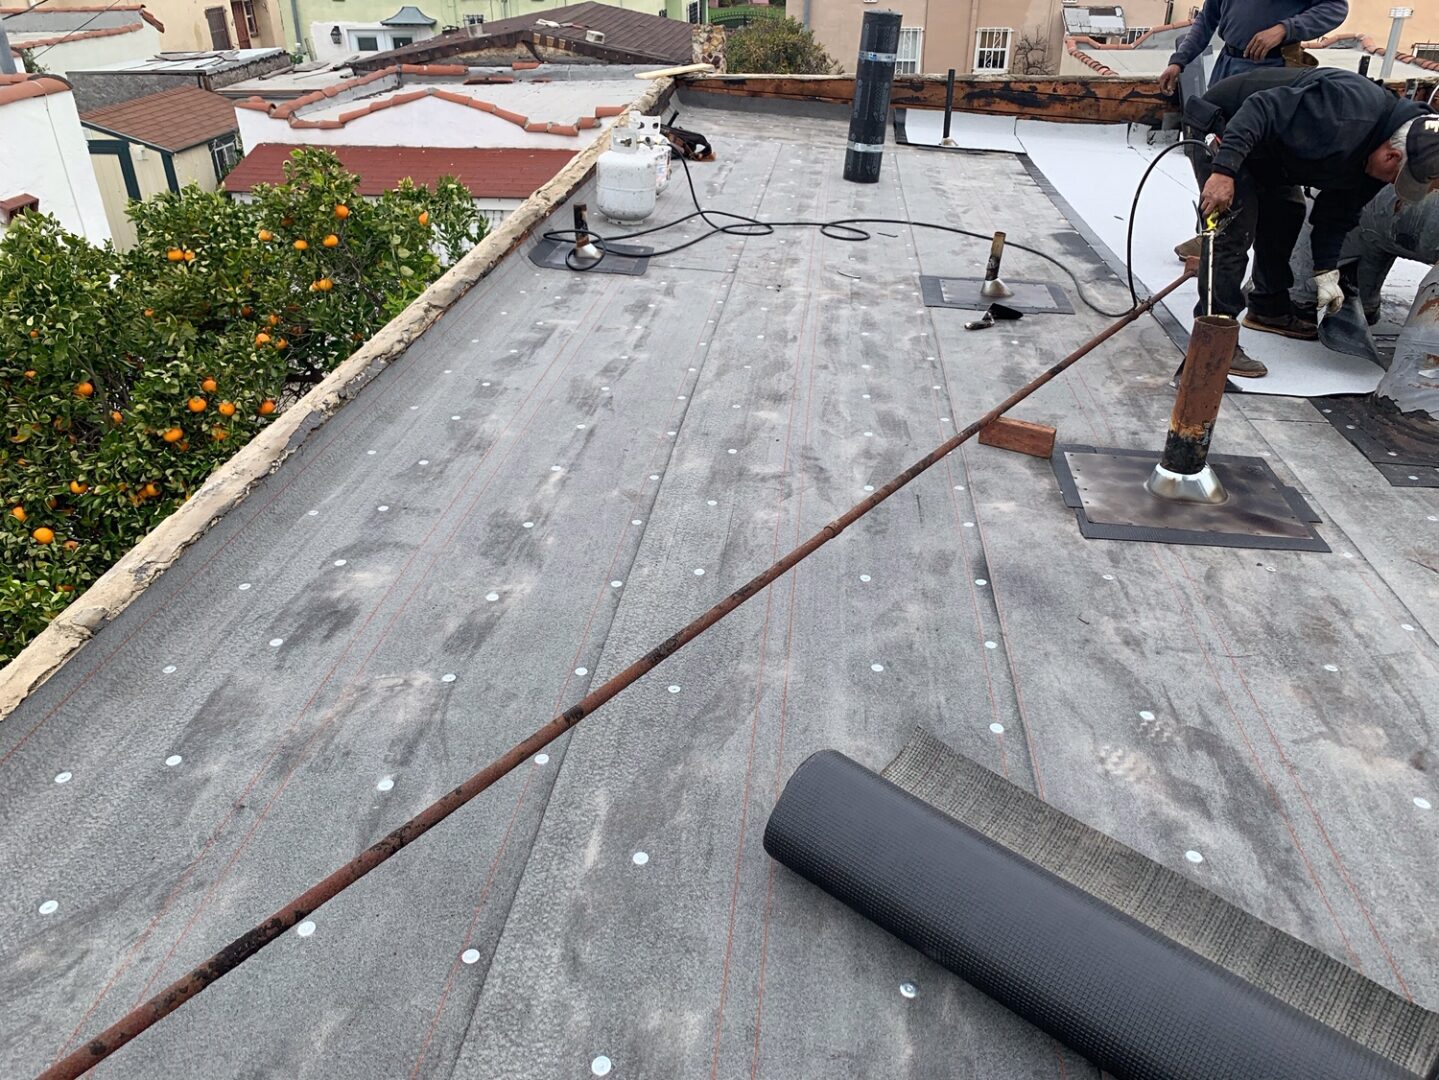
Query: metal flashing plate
(1030, 296)
(1106, 489)
(627, 259)
(1405, 449)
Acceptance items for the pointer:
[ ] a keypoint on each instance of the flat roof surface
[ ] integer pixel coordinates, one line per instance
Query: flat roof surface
(567, 468)
(183, 63)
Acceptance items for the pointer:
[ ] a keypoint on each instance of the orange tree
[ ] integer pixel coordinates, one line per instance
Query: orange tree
(128, 377)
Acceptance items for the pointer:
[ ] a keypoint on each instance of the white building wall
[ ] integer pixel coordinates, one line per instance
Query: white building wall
(83, 54)
(322, 34)
(433, 121)
(55, 166)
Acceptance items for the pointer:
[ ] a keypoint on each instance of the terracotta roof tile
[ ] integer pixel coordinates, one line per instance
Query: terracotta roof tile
(488, 173)
(73, 35)
(171, 120)
(20, 86)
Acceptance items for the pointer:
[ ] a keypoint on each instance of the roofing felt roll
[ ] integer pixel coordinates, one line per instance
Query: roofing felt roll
(1132, 1001)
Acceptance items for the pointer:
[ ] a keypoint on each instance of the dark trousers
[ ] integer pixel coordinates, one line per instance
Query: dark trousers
(1266, 217)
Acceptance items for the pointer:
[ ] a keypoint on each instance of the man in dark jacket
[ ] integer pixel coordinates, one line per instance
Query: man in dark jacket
(1255, 33)
(1283, 129)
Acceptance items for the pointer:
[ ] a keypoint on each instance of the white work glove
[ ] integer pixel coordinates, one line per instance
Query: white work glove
(1331, 296)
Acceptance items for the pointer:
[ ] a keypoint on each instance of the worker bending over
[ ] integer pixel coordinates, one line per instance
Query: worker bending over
(1255, 33)
(1284, 129)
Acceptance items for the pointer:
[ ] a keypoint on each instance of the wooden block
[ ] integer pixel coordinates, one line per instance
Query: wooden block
(1021, 436)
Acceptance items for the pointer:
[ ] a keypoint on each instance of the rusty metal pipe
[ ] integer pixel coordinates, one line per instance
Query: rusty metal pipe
(1183, 473)
(97, 1049)
(994, 287)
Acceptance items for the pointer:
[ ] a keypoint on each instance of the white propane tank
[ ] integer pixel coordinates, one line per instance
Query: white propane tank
(625, 179)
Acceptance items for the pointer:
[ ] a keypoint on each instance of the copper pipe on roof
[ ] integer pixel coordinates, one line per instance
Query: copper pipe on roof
(1183, 473)
(97, 1049)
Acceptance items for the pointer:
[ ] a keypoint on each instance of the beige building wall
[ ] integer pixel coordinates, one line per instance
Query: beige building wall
(1372, 17)
(187, 26)
(950, 34)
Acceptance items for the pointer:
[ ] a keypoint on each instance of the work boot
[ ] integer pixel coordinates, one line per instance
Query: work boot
(1190, 249)
(1287, 325)
(1244, 366)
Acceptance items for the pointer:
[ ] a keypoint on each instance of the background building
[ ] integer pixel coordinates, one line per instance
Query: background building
(53, 174)
(198, 25)
(58, 38)
(1026, 37)
(159, 142)
(337, 29)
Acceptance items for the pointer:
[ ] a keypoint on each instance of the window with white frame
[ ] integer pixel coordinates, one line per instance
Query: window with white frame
(911, 49)
(991, 49)
(1129, 36)
(474, 20)
(1426, 50)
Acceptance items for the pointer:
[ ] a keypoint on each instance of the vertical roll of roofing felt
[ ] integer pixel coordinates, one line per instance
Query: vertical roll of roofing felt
(1132, 1001)
(873, 81)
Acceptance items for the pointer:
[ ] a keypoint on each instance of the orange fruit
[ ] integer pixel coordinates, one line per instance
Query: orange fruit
(324, 284)
(273, 320)
(247, 311)
(302, 245)
(71, 545)
(266, 235)
(77, 488)
(227, 408)
(84, 389)
(43, 535)
(281, 343)
(149, 491)
(18, 513)
(262, 338)
(266, 407)
(173, 434)
(149, 313)
(30, 374)
(331, 241)
(209, 386)
(34, 333)
(65, 588)
(175, 255)
(116, 418)
(342, 211)
(424, 217)
(219, 434)
(196, 404)
(189, 255)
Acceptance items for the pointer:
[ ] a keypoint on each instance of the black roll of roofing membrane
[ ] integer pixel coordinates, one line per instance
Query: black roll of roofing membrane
(1132, 1001)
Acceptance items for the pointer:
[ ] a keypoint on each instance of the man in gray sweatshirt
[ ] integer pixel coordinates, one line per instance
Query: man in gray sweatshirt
(1255, 33)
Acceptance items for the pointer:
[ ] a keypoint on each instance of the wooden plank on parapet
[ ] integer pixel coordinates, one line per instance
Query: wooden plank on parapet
(1100, 99)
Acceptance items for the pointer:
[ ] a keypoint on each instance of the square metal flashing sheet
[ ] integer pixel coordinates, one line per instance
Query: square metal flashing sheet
(1030, 296)
(1105, 487)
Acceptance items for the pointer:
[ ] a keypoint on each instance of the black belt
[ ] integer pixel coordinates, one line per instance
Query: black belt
(1238, 54)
